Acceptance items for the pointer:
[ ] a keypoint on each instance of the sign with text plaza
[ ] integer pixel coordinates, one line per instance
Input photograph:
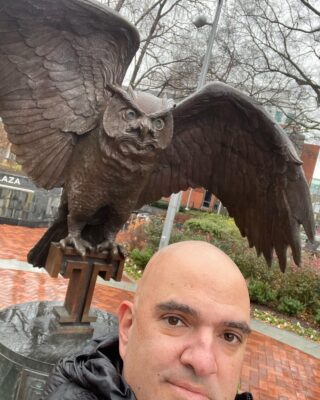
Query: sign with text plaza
(16, 181)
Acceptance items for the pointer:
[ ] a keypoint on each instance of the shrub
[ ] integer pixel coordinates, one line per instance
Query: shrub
(141, 257)
(261, 292)
(301, 284)
(164, 205)
(290, 306)
(160, 204)
(153, 232)
(218, 226)
(251, 266)
(317, 316)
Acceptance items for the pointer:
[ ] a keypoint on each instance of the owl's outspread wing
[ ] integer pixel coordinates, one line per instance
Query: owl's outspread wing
(56, 58)
(225, 142)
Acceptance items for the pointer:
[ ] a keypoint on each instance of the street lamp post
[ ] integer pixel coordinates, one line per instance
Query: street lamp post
(175, 198)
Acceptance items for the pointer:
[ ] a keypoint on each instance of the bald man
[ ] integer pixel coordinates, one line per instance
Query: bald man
(183, 337)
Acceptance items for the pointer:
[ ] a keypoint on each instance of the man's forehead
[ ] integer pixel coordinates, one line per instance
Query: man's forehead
(190, 274)
(194, 270)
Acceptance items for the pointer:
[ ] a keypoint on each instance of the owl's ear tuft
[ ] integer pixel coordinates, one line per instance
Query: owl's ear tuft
(131, 92)
(128, 96)
(111, 88)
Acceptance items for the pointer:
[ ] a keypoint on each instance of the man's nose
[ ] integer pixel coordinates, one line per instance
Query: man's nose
(200, 355)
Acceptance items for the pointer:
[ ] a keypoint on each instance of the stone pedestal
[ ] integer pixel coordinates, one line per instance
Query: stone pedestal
(30, 346)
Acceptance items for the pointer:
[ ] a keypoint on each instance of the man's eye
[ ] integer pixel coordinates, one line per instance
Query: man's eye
(174, 321)
(131, 114)
(232, 338)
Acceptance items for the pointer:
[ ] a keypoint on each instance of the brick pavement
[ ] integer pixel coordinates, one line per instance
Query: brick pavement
(272, 370)
(16, 241)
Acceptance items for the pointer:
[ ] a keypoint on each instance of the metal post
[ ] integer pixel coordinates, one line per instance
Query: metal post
(212, 36)
(205, 65)
(189, 198)
(8, 152)
(175, 198)
(173, 207)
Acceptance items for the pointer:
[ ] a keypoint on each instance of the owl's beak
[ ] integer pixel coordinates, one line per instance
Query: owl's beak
(146, 128)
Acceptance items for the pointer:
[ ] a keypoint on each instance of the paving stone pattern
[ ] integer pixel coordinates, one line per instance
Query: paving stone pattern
(272, 370)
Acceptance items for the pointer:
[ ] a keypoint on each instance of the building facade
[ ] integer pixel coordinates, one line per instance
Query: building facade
(22, 203)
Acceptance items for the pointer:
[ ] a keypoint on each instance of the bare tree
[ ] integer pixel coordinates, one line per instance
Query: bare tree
(4, 143)
(267, 48)
(279, 48)
(164, 25)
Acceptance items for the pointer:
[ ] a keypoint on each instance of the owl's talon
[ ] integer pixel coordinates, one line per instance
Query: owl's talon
(81, 246)
(105, 246)
(114, 249)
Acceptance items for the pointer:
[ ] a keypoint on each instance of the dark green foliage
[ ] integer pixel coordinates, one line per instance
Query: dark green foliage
(317, 316)
(154, 229)
(160, 204)
(261, 292)
(141, 257)
(164, 205)
(290, 306)
(219, 227)
(303, 285)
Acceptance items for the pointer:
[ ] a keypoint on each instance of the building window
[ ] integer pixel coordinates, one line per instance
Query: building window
(207, 199)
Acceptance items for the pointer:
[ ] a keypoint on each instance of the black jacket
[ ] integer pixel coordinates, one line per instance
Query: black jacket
(94, 375)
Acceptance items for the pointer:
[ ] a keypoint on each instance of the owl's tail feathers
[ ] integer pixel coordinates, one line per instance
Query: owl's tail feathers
(37, 256)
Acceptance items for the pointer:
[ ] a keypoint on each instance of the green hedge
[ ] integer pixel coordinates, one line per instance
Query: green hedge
(261, 292)
(141, 257)
(290, 306)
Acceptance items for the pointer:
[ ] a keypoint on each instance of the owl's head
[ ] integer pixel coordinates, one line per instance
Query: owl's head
(139, 122)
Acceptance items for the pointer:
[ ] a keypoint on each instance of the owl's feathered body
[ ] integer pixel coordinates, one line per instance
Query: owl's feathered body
(88, 191)
(71, 124)
(123, 149)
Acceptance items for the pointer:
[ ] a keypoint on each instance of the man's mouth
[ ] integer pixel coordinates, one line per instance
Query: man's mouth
(189, 391)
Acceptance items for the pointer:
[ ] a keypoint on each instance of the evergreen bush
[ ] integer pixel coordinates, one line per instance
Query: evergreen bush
(261, 292)
(290, 306)
(141, 257)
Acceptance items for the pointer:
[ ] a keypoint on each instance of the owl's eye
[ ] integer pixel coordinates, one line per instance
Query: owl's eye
(130, 114)
(158, 124)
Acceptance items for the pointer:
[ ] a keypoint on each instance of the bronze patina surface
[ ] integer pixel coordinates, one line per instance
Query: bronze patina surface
(74, 317)
(112, 150)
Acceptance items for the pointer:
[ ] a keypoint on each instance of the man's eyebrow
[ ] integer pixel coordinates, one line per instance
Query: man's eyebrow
(242, 326)
(184, 308)
(175, 306)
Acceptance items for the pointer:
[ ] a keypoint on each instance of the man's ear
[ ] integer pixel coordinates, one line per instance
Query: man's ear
(125, 316)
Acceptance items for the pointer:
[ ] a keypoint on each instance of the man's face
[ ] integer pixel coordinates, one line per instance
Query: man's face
(185, 338)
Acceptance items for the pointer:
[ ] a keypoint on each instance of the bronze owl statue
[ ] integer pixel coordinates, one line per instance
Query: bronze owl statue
(112, 150)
